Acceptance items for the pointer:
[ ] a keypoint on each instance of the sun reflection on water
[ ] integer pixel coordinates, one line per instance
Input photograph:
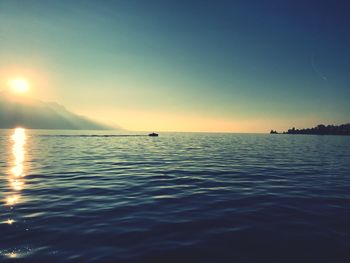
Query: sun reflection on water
(12, 200)
(10, 221)
(11, 255)
(17, 171)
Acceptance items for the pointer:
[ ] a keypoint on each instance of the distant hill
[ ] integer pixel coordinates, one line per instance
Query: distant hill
(34, 114)
(321, 129)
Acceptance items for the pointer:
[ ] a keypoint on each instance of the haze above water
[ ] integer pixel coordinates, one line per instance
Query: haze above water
(179, 197)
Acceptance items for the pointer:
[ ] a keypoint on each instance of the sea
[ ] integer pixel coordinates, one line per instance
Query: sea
(88, 196)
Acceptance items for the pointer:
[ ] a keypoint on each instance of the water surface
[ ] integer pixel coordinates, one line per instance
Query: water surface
(182, 197)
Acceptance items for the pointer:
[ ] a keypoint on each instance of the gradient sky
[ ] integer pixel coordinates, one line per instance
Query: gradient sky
(184, 65)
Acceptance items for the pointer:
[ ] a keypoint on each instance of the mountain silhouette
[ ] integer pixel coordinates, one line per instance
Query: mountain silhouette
(35, 114)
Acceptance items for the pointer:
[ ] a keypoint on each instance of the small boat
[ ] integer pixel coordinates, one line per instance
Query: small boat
(153, 134)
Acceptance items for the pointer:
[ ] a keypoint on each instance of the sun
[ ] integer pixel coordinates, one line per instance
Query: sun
(19, 85)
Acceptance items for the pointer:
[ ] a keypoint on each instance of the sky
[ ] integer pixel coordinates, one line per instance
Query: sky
(184, 65)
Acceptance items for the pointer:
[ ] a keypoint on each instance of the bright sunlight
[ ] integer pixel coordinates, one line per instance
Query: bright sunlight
(19, 85)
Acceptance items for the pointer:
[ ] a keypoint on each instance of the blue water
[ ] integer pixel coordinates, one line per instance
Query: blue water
(176, 198)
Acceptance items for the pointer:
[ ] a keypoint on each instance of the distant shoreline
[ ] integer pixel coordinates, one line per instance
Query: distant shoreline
(320, 129)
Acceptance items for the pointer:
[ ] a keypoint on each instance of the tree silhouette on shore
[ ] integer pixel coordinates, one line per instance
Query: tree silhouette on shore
(320, 129)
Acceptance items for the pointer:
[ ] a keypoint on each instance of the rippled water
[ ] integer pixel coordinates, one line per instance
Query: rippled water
(176, 198)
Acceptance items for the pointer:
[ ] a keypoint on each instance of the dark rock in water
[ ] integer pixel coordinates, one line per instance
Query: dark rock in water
(153, 134)
(273, 132)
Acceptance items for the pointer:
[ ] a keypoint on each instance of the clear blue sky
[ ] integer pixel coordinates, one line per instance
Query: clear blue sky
(184, 65)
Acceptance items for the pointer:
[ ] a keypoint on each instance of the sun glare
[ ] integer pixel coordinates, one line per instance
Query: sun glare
(19, 85)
